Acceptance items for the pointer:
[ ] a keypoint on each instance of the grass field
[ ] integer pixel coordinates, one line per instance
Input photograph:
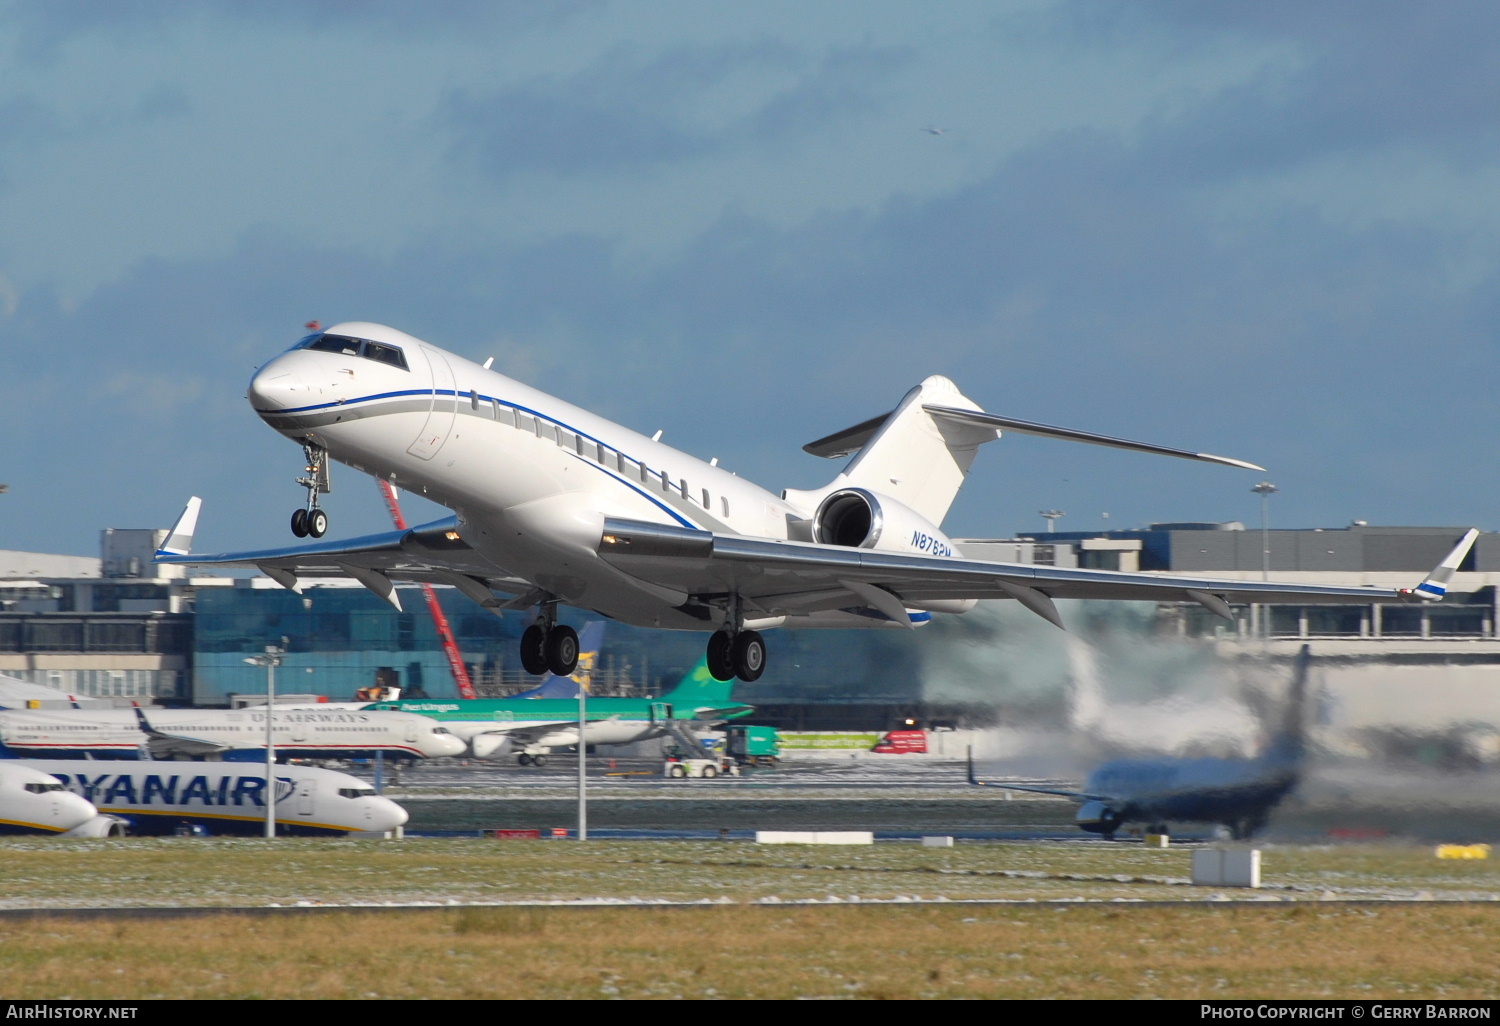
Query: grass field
(729, 946)
(181, 871)
(850, 951)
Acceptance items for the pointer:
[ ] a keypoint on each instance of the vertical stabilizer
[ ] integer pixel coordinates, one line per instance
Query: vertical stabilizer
(1290, 742)
(699, 688)
(914, 457)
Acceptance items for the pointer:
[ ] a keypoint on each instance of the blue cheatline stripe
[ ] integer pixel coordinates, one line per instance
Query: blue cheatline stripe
(1432, 588)
(514, 406)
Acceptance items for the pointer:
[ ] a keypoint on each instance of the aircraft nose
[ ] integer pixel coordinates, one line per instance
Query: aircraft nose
(276, 386)
(73, 810)
(385, 814)
(439, 745)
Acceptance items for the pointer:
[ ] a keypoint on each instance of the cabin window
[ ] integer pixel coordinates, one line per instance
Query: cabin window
(682, 488)
(666, 482)
(645, 474)
(578, 448)
(707, 502)
(524, 422)
(724, 505)
(473, 400)
(540, 427)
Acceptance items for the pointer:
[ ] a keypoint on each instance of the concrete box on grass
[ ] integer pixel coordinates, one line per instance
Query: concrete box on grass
(814, 837)
(1216, 867)
(937, 842)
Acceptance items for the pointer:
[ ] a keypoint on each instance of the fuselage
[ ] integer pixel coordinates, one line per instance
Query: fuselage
(1229, 791)
(609, 721)
(297, 733)
(160, 797)
(34, 802)
(531, 477)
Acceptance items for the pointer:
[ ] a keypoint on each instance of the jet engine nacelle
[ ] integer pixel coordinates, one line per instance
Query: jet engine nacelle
(490, 746)
(1097, 818)
(861, 519)
(102, 825)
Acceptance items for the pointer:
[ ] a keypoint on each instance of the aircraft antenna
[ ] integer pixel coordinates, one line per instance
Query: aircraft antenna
(439, 618)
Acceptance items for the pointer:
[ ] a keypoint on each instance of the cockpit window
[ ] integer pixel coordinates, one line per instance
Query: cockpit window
(336, 344)
(356, 792)
(385, 354)
(346, 346)
(43, 788)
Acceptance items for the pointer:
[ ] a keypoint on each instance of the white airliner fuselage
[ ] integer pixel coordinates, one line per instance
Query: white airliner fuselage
(298, 733)
(531, 477)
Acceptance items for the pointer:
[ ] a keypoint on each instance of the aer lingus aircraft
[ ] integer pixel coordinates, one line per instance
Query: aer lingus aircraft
(530, 728)
(558, 506)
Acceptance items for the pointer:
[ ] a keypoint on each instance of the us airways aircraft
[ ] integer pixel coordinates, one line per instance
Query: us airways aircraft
(557, 506)
(237, 734)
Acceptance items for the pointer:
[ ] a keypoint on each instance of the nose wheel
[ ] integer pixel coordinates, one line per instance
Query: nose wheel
(312, 520)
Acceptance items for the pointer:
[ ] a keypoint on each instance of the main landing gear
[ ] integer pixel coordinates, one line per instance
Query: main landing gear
(312, 520)
(739, 654)
(549, 646)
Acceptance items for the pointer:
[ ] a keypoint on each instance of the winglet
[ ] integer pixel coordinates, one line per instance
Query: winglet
(1436, 585)
(180, 539)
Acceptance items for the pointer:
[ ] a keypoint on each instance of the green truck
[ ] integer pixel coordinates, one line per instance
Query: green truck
(752, 746)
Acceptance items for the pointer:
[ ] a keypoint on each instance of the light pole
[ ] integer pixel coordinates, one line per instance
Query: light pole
(270, 660)
(1265, 490)
(583, 755)
(1051, 516)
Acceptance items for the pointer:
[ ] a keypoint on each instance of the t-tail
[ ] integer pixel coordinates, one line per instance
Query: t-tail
(920, 453)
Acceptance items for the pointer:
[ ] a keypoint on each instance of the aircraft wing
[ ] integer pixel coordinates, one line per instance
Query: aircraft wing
(166, 746)
(791, 578)
(1077, 796)
(532, 731)
(433, 552)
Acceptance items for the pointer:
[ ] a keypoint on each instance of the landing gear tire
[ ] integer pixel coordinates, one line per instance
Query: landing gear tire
(523, 759)
(539, 761)
(299, 523)
(534, 650)
(720, 656)
(317, 523)
(749, 656)
(561, 650)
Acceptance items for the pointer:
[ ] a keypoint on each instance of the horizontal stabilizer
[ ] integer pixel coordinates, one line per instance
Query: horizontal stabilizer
(974, 418)
(848, 441)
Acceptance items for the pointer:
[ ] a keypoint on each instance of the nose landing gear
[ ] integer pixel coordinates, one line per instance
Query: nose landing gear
(312, 520)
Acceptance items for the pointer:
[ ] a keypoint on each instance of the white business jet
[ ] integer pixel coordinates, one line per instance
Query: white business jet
(558, 506)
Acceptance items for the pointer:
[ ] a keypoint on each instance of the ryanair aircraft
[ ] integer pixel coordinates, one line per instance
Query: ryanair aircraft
(165, 798)
(555, 505)
(32, 802)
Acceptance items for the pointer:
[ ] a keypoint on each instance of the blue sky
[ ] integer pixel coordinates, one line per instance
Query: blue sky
(1265, 230)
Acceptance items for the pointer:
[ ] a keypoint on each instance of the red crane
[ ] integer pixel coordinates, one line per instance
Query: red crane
(439, 618)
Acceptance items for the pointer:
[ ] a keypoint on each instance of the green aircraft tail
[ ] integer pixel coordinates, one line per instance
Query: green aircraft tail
(699, 687)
